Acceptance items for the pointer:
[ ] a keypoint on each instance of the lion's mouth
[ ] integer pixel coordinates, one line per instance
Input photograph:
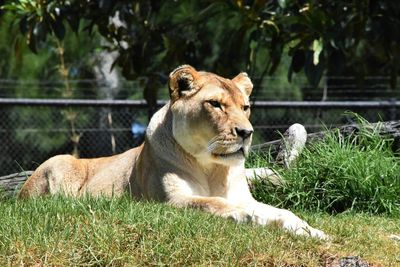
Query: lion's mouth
(240, 152)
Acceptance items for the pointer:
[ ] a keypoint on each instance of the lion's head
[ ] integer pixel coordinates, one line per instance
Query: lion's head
(211, 115)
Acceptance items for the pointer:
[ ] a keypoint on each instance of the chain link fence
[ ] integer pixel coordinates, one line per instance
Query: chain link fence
(32, 130)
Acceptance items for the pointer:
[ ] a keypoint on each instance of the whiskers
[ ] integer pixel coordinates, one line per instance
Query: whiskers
(213, 143)
(221, 145)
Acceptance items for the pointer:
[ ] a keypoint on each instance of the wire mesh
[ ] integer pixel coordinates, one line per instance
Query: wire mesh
(31, 134)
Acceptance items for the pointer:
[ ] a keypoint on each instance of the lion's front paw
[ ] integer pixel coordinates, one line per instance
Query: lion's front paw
(300, 227)
(312, 232)
(237, 215)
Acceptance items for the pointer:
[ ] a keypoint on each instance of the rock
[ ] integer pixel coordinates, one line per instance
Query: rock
(352, 261)
(348, 261)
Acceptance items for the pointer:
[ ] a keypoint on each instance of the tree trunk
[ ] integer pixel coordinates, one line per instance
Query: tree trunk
(10, 184)
(108, 87)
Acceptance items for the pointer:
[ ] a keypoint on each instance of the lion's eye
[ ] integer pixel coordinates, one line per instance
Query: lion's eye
(246, 107)
(214, 103)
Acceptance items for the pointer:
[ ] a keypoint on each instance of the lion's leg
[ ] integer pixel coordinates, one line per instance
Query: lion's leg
(265, 214)
(58, 175)
(255, 212)
(214, 205)
(263, 173)
(35, 186)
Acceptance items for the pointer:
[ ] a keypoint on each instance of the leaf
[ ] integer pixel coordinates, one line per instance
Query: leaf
(40, 31)
(276, 53)
(272, 24)
(126, 61)
(31, 41)
(9, 7)
(23, 25)
(313, 72)
(298, 60)
(317, 48)
(58, 28)
(239, 3)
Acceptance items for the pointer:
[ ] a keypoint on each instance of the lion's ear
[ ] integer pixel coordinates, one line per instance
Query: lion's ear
(181, 81)
(244, 83)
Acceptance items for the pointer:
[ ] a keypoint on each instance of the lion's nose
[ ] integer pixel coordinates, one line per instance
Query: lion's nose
(244, 133)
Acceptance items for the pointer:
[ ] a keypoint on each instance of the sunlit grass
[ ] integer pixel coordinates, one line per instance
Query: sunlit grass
(106, 232)
(357, 173)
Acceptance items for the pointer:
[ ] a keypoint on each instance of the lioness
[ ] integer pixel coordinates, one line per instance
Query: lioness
(193, 156)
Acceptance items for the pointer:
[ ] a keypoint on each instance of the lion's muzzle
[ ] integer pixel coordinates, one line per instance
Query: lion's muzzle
(243, 132)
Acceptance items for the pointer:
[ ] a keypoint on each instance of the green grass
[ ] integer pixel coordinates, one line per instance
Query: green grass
(118, 232)
(357, 173)
(347, 187)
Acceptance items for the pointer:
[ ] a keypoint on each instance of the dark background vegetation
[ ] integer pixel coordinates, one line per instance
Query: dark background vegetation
(336, 38)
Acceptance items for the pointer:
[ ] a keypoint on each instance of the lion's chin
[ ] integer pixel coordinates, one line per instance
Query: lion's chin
(237, 153)
(233, 158)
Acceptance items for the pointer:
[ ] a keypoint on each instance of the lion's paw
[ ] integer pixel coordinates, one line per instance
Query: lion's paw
(237, 215)
(312, 232)
(300, 227)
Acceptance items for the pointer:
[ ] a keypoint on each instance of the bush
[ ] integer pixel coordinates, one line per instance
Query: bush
(354, 173)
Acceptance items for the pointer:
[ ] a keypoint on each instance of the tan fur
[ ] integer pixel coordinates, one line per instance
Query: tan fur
(193, 156)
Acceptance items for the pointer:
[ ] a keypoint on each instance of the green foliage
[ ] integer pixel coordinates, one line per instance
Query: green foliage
(359, 173)
(339, 37)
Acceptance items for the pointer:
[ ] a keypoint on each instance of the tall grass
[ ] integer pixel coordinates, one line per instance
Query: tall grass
(354, 173)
